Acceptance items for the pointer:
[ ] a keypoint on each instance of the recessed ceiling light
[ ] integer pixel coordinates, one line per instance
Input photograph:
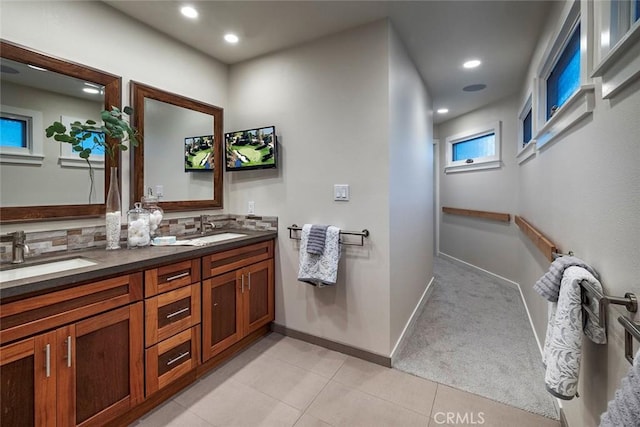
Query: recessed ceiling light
(36, 68)
(90, 90)
(473, 63)
(443, 110)
(231, 38)
(189, 12)
(474, 88)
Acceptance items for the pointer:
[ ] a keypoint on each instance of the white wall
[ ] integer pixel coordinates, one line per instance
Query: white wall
(97, 35)
(329, 102)
(584, 191)
(487, 244)
(49, 183)
(166, 127)
(410, 186)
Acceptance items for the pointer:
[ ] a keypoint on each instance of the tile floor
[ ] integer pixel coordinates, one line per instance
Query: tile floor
(280, 381)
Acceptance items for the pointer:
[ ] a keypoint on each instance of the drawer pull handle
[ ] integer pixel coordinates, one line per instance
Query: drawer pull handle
(175, 313)
(47, 366)
(249, 274)
(178, 276)
(68, 341)
(242, 283)
(175, 359)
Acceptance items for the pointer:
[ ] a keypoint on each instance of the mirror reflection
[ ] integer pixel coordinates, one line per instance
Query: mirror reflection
(179, 154)
(180, 157)
(41, 178)
(36, 170)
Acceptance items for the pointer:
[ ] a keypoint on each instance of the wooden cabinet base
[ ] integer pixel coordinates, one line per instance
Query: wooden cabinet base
(184, 381)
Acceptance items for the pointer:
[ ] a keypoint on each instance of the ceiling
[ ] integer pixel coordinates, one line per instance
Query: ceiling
(439, 35)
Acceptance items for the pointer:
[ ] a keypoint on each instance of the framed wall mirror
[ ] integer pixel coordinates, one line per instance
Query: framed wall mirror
(180, 156)
(41, 178)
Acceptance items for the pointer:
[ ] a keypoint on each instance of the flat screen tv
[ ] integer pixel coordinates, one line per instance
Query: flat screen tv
(251, 149)
(198, 153)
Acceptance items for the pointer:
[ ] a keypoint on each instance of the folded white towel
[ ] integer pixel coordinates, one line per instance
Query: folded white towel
(563, 344)
(319, 270)
(624, 409)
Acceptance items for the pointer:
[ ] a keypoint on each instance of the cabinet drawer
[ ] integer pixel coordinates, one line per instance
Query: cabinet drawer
(172, 358)
(221, 262)
(172, 276)
(36, 314)
(169, 313)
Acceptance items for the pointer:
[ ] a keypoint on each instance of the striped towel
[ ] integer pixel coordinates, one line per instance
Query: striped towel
(317, 237)
(548, 286)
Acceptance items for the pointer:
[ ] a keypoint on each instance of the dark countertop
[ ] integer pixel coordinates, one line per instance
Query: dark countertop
(118, 262)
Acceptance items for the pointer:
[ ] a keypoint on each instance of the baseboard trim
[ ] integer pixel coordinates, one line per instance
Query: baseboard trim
(504, 280)
(333, 345)
(411, 322)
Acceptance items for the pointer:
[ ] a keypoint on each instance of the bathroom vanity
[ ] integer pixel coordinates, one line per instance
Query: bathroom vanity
(105, 343)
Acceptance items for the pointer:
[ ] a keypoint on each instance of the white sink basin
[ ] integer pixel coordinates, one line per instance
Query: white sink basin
(218, 237)
(33, 270)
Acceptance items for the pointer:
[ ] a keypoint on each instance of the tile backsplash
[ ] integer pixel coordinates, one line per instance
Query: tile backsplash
(47, 242)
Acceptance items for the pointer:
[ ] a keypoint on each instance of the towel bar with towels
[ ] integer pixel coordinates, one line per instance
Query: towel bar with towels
(362, 234)
(631, 331)
(629, 300)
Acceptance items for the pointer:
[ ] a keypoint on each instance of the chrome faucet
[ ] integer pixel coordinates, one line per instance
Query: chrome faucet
(204, 224)
(18, 247)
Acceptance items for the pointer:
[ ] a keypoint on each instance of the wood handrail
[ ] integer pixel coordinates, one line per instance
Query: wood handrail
(495, 216)
(546, 246)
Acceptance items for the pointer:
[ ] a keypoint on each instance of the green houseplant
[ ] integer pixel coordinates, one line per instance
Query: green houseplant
(112, 136)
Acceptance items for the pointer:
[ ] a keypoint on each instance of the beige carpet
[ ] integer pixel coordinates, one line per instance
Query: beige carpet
(474, 334)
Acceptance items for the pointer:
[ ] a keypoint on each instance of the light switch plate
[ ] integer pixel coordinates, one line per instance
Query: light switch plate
(341, 192)
(251, 208)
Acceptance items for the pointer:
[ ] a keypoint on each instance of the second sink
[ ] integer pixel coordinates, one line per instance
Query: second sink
(218, 237)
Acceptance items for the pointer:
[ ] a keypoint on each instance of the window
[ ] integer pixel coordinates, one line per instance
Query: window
(564, 92)
(564, 79)
(476, 149)
(526, 128)
(21, 135)
(616, 34)
(13, 132)
(70, 159)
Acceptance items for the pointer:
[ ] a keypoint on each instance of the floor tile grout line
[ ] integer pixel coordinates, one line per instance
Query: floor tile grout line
(311, 403)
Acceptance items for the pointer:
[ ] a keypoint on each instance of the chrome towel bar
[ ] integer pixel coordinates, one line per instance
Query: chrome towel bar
(631, 331)
(294, 229)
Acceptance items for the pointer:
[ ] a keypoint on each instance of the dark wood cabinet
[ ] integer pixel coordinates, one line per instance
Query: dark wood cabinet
(237, 302)
(80, 374)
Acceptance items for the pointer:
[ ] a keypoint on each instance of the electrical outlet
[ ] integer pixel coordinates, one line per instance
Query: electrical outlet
(159, 190)
(251, 208)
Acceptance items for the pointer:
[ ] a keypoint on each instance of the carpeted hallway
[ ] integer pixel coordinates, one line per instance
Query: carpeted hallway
(473, 334)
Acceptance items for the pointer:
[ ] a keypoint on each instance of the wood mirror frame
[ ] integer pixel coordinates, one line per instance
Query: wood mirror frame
(140, 92)
(112, 97)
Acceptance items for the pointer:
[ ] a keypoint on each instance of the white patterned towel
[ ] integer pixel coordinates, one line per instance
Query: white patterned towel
(563, 344)
(319, 270)
(624, 409)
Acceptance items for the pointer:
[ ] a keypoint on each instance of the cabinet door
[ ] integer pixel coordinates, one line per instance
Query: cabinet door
(107, 374)
(28, 382)
(258, 308)
(221, 319)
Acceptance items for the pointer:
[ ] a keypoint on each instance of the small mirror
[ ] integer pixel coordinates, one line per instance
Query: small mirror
(41, 178)
(180, 156)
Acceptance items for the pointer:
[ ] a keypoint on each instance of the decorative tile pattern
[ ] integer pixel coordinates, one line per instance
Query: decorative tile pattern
(48, 242)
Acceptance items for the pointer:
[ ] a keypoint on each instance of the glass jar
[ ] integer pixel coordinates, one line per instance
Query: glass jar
(138, 227)
(156, 213)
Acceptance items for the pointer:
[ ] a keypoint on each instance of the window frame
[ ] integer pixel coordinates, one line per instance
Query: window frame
(617, 65)
(33, 153)
(479, 163)
(582, 102)
(528, 149)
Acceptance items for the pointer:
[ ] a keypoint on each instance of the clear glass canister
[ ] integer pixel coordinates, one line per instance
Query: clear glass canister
(138, 227)
(156, 213)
